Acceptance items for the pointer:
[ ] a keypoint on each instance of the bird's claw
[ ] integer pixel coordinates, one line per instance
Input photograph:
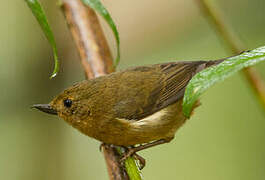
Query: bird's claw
(141, 160)
(131, 152)
(101, 146)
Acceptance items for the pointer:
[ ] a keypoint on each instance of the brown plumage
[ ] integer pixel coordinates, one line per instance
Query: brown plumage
(134, 106)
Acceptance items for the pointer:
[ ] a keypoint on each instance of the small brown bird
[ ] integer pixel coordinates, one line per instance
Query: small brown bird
(135, 106)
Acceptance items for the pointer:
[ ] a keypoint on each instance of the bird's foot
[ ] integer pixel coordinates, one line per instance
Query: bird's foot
(132, 152)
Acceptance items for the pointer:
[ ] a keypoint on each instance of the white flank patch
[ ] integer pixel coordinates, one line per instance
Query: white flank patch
(154, 119)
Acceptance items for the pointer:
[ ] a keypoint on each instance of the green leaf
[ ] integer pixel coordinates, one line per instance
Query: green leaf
(208, 77)
(97, 6)
(131, 166)
(39, 14)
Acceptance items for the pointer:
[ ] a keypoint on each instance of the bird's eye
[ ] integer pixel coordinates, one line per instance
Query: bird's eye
(67, 103)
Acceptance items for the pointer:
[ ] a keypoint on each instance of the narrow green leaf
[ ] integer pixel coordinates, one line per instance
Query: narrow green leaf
(97, 6)
(208, 77)
(131, 166)
(39, 14)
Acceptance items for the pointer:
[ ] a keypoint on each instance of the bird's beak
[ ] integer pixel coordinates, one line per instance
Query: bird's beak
(45, 108)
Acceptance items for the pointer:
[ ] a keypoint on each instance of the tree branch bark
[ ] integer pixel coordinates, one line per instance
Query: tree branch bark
(96, 59)
(89, 38)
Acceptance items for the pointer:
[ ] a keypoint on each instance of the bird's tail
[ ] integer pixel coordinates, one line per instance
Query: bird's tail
(214, 62)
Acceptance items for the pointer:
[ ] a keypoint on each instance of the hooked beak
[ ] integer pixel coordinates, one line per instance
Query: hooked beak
(45, 108)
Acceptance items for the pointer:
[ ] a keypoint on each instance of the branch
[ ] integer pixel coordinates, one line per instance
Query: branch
(89, 38)
(235, 45)
(96, 59)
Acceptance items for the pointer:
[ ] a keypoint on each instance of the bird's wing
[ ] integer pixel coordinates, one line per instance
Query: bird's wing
(159, 86)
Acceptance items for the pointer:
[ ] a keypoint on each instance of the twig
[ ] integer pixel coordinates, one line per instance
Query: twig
(235, 45)
(96, 60)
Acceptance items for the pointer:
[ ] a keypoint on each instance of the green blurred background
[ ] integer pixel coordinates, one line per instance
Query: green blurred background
(224, 140)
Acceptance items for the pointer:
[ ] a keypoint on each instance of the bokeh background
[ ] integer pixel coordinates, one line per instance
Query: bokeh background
(224, 140)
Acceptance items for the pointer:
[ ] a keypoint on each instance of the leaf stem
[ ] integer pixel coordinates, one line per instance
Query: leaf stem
(234, 45)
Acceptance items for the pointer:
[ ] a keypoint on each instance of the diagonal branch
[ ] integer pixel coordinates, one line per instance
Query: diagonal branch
(235, 45)
(96, 59)
(89, 38)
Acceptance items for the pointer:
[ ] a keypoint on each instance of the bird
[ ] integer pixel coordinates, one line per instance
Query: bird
(138, 108)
